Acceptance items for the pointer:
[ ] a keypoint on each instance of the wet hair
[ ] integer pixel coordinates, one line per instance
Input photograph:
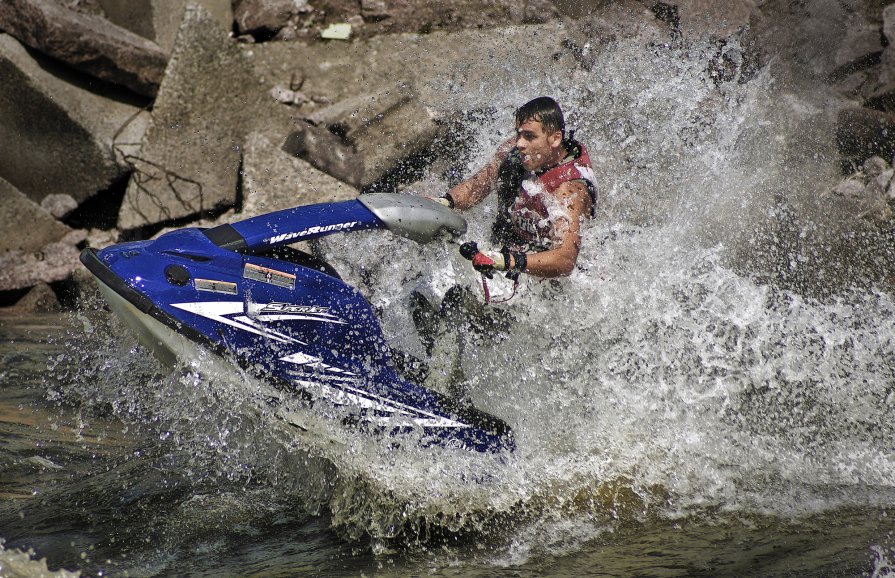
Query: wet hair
(544, 110)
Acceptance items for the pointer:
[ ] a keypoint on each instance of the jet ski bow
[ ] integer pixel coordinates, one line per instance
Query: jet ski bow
(241, 292)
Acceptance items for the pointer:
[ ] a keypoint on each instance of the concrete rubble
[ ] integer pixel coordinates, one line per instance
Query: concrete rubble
(167, 112)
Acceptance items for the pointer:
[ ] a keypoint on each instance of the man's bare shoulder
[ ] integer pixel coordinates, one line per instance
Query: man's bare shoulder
(574, 193)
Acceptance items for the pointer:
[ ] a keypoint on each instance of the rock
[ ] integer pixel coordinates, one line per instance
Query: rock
(864, 194)
(451, 71)
(860, 41)
(697, 19)
(267, 16)
(85, 6)
(273, 180)
(326, 152)
(128, 139)
(285, 95)
(394, 137)
(392, 122)
(352, 115)
(874, 166)
(40, 299)
(852, 187)
(159, 20)
(55, 133)
(374, 9)
(426, 16)
(189, 161)
(86, 42)
(882, 97)
(59, 205)
(26, 225)
(884, 178)
(100, 238)
(889, 23)
(54, 262)
(384, 127)
(862, 133)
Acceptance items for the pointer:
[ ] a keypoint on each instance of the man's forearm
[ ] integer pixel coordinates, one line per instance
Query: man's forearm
(556, 263)
(471, 191)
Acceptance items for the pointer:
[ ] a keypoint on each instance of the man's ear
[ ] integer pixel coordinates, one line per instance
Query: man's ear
(555, 139)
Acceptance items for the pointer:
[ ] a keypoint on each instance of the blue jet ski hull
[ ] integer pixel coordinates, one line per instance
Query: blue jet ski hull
(287, 317)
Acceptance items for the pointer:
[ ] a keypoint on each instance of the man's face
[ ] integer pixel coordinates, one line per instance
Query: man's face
(537, 147)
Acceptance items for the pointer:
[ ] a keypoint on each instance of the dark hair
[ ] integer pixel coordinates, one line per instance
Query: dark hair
(544, 110)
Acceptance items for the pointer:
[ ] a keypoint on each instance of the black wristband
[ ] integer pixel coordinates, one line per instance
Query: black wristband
(449, 198)
(520, 262)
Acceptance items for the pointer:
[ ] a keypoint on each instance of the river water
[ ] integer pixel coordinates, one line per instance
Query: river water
(695, 400)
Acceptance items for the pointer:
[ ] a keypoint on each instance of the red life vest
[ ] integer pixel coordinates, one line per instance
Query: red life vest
(536, 212)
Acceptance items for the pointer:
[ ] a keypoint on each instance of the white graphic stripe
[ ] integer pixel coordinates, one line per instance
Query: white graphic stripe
(217, 311)
(315, 363)
(367, 400)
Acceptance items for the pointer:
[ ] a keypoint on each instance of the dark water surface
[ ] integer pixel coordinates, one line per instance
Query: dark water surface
(96, 494)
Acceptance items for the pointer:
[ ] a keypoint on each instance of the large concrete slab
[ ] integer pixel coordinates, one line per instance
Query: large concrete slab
(209, 101)
(55, 133)
(384, 126)
(159, 20)
(274, 180)
(26, 225)
(87, 42)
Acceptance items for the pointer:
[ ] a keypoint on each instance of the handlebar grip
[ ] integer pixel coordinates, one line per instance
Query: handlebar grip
(469, 249)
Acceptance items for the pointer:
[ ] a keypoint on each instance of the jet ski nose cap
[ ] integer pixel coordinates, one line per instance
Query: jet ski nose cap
(416, 218)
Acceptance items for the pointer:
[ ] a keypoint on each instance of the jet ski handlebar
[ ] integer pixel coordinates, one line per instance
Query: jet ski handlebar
(416, 218)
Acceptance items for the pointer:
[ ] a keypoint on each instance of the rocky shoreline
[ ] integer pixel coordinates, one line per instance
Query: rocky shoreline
(120, 121)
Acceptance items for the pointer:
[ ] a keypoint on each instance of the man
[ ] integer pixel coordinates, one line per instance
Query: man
(545, 187)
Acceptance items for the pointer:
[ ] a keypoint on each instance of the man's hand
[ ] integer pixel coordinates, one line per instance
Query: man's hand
(489, 261)
(445, 200)
(485, 262)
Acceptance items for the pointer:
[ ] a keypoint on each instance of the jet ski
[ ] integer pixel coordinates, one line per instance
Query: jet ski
(240, 291)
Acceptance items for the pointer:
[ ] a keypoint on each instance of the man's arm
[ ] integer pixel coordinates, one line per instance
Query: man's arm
(471, 191)
(560, 261)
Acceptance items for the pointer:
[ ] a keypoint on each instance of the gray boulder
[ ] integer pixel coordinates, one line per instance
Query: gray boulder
(40, 299)
(325, 151)
(26, 226)
(882, 96)
(862, 133)
(87, 42)
(267, 16)
(54, 262)
(159, 20)
(864, 195)
(384, 127)
(59, 206)
(55, 134)
(710, 18)
(189, 160)
(274, 180)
